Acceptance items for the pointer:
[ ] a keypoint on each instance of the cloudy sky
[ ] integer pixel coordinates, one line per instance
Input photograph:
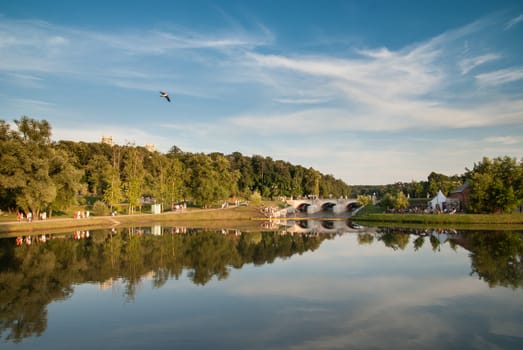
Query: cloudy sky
(373, 92)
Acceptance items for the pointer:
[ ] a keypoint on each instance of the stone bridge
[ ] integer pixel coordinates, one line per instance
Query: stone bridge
(311, 206)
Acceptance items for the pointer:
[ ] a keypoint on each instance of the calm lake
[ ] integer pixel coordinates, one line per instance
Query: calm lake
(310, 287)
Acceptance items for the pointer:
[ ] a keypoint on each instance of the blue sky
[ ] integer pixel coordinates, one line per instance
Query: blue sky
(373, 92)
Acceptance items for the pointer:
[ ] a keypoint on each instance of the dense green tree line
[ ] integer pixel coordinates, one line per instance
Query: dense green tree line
(34, 174)
(39, 175)
(495, 185)
(414, 189)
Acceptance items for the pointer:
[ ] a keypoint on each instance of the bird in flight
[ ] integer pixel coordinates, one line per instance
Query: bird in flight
(164, 94)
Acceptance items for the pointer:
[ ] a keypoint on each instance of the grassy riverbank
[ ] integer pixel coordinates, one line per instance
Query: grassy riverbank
(212, 218)
(444, 219)
(248, 218)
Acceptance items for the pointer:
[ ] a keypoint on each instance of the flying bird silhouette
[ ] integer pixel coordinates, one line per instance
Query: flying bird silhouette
(164, 94)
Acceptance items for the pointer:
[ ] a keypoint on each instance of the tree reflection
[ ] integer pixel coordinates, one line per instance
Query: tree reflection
(28, 284)
(394, 239)
(32, 276)
(497, 258)
(418, 242)
(365, 238)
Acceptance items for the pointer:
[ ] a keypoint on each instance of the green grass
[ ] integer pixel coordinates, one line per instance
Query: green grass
(243, 216)
(212, 218)
(455, 219)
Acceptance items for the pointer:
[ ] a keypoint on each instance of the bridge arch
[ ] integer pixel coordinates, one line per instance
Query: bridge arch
(311, 206)
(303, 207)
(352, 206)
(328, 206)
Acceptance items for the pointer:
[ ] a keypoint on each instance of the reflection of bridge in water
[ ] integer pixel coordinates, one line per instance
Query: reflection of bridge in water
(334, 225)
(311, 206)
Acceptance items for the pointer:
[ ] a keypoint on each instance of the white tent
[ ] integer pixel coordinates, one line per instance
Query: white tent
(437, 202)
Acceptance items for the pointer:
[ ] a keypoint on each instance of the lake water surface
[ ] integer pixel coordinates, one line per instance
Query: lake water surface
(166, 288)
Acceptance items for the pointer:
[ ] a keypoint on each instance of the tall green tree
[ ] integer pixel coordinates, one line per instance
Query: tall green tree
(66, 179)
(113, 193)
(364, 200)
(25, 157)
(134, 176)
(496, 185)
(401, 202)
(167, 179)
(442, 182)
(98, 174)
(312, 182)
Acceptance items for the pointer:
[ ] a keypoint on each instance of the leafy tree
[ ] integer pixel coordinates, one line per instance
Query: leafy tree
(32, 130)
(496, 185)
(227, 177)
(134, 177)
(442, 182)
(206, 183)
(312, 182)
(167, 179)
(66, 178)
(364, 200)
(243, 165)
(98, 173)
(113, 193)
(401, 201)
(417, 189)
(25, 165)
(100, 209)
(388, 201)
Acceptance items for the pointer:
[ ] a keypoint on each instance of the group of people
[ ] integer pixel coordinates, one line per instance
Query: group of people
(20, 216)
(81, 214)
(179, 207)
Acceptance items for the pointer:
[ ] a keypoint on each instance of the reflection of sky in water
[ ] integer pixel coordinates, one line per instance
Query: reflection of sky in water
(343, 295)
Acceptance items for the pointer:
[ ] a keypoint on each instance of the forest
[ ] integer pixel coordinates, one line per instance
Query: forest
(38, 175)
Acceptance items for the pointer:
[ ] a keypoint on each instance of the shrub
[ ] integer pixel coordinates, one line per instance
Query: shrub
(100, 209)
(256, 198)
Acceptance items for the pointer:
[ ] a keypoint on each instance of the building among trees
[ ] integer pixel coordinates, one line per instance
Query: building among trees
(461, 194)
(108, 140)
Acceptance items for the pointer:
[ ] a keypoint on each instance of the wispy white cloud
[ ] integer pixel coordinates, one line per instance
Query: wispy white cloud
(24, 80)
(514, 21)
(300, 101)
(35, 102)
(246, 92)
(506, 140)
(500, 77)
(469, 64)
(31, 47)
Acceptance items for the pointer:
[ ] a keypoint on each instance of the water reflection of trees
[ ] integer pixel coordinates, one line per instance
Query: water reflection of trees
(32, 276)
(496, 257)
